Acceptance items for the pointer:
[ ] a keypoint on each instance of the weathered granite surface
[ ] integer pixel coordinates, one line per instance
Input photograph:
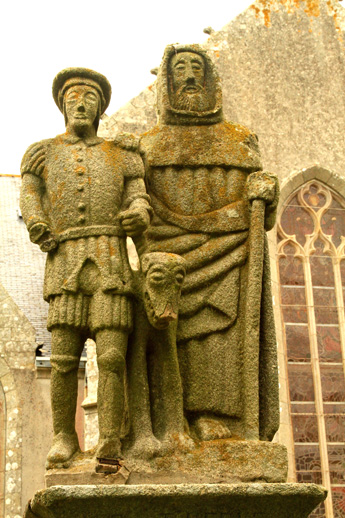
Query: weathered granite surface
(211, 462)
(177, 501)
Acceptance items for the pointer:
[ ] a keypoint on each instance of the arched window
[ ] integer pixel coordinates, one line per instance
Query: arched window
(311, 255)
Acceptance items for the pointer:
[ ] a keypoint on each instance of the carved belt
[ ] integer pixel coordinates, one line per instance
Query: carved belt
(94, 230)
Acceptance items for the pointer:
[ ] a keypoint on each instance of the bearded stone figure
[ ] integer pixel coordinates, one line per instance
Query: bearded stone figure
(212, 204)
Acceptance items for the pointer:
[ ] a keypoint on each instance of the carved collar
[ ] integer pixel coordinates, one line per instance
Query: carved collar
(71, 139)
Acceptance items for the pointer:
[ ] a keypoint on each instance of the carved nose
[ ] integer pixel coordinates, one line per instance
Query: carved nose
(169, 313)
(81, 107)
(190, 78)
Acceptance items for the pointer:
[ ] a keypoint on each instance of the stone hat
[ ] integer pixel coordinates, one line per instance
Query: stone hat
(81, 76)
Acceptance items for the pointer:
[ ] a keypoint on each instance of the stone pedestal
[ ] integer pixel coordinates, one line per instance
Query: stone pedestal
(177, 501)
(223, 461)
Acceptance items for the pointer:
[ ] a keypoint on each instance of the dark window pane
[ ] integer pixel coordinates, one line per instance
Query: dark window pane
(338, 496)
(297, 343)
(328, 339)
(326, 315)
(307, 457)
(324, 297)
(333, 224)
(336, 460)
(301, 382)
(335, 428)
(293, 295)
(309, 477)
(295, 314)
(321, 267)
(334, 408)
(296, 221)
(291, 270)
(332, 382)
(303, 408)
(305, 428)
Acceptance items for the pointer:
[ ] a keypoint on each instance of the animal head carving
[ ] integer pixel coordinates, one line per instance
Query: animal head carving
(163, 278)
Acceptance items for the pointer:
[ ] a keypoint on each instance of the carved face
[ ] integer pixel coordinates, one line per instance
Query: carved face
(164, 276)
(81, 106)
(187, 80)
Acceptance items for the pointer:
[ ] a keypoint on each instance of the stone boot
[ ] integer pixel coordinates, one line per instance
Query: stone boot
(63, 448)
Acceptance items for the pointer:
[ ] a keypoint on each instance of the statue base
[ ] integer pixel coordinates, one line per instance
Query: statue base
(177, 501)
(223, 461)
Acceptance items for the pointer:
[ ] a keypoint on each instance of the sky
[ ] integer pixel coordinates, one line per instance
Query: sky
(123, 40)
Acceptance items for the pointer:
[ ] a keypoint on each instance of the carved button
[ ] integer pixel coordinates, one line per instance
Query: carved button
(80, 171)
(81, 206)
(80, 187)
(79, 159)
(81, 219)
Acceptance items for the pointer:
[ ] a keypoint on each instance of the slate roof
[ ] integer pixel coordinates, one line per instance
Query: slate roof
(21, 262)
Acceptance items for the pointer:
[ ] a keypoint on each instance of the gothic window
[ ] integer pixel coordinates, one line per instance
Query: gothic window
(311, 255)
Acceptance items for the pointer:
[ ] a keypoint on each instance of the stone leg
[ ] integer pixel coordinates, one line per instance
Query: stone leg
(67, 345)
(167, 387)
(145, 444)
(111, 346)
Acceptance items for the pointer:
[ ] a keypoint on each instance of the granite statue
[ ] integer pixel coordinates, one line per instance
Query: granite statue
(186, 343)
(81, 196)
(212, 204)
(154, 382)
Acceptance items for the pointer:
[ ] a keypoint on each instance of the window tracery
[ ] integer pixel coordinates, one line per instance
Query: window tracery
(311, 256)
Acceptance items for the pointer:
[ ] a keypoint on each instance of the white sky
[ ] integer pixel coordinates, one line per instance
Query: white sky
(121, 39)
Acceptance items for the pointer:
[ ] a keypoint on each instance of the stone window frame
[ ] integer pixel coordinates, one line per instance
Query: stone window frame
(289, 188)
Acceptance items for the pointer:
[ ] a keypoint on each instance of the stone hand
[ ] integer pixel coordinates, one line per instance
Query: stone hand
(48, 244)
(261, 186)
(41, 235)
(135, 221)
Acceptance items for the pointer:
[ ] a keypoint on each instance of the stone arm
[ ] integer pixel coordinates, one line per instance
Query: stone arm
(136, 218)
(265, 186)
(36, 220)
(32, 195)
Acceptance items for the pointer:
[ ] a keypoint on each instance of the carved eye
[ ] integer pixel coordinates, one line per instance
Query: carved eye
(157, 277)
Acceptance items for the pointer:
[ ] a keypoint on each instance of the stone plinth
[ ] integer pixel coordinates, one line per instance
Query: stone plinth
(177, 501)
(212, 462)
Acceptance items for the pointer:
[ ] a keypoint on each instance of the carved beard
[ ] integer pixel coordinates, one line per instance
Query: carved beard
(191, 102)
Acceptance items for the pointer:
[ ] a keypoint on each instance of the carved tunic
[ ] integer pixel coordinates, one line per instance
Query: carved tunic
(77, 188)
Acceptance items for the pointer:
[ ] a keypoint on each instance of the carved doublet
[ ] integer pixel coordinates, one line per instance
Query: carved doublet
(84, 182)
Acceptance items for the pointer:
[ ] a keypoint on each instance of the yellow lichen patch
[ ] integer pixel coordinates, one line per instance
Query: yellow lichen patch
(338, 14)
(265, 8)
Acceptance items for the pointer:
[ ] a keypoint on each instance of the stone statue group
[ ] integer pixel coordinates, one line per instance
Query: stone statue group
(187, 343)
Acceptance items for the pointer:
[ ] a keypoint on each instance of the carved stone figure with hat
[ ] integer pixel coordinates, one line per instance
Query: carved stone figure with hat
(81, 196)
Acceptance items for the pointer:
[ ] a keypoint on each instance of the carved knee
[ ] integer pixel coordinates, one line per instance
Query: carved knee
(111, 361)
(64, 363)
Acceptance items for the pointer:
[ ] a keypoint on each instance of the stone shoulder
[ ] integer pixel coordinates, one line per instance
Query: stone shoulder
(34, 158)
(127, 141)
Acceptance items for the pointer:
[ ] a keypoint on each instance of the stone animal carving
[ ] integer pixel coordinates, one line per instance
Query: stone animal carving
(154, 383)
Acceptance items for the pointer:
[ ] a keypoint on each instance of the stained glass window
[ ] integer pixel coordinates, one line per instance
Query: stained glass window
(311, 259)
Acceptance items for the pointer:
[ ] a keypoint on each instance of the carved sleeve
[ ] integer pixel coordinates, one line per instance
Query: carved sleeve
(135, 190)
(32, 191)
